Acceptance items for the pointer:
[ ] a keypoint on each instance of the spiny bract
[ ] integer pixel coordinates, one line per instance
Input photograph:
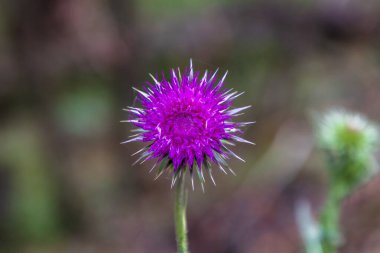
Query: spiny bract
(187, 121)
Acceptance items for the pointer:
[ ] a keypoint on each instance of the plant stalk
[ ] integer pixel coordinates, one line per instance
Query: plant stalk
(329, 221)
(180, 215)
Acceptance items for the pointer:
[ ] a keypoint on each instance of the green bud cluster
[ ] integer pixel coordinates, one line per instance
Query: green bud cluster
(349, 141)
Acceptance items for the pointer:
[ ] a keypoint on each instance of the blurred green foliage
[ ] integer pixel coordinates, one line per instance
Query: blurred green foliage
(170, 8)
(85, 109)
(33, 203)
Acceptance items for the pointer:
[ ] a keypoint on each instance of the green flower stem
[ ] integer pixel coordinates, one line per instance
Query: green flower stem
(180, 215)
(329, 220)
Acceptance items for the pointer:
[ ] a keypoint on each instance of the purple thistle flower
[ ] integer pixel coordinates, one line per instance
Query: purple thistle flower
(187, 121)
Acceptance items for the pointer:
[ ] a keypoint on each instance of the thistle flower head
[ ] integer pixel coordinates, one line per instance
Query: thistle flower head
(349, 141)
(187, 122)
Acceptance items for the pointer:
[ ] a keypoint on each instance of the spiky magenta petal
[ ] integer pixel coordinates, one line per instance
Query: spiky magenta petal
(186, 119)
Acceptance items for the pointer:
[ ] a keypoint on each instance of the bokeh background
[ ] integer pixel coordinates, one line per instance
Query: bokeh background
(66, 72)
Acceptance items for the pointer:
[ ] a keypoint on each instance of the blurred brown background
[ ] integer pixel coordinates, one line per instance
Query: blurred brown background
(66, 71)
